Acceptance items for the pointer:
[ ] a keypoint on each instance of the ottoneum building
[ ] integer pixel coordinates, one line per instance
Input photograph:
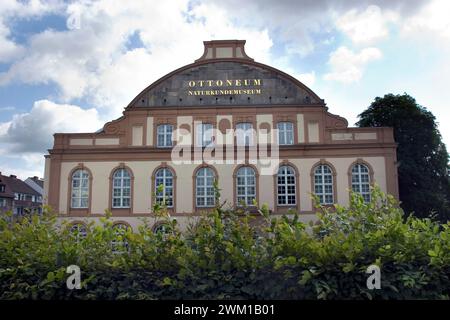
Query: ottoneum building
(260, 133)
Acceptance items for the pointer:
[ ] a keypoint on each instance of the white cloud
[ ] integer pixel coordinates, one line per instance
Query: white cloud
(24, 139)
(432, 21)
(368, 26)
(348, 66)
(3, 129)
(28, 8)
(9, 49)
(93, 62)
(23, 165)
(33, 131)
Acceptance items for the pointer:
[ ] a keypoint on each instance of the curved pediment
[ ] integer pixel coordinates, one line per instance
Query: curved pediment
(219, 82)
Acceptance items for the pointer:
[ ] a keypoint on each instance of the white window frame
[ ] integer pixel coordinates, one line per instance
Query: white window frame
(207, 193)
(80, 192)
(324, 171)
(285, 133)
(247, 197)
(244, 134)
(121, 188)
(284, 172)
(162, 175)
(204, 134)
(357, 183)
(164, 131)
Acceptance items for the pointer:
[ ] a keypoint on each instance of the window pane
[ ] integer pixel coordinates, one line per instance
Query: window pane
(323, 184)
(84, 202)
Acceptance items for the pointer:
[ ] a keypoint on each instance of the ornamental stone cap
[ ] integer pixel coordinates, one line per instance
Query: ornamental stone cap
(224, 49)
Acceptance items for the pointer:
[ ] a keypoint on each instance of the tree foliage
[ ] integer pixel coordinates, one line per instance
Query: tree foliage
(424, 185)
(224, 254)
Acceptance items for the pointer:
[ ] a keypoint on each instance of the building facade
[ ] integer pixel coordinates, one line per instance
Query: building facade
(18, 197)
(261, 134)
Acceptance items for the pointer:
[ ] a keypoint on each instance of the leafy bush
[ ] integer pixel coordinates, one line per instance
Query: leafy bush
(227, 254)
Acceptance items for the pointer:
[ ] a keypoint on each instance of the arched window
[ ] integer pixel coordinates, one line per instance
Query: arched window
(80, 189)
(162, 228)
(286, 188)
(323, 184)
(164, 135)
(205, 134)
(285, 133)
(246, 186)
(78, 231)
(204, 188)
(120, 244)
(361, 180)
(121, 189)
(244, 134)
(164, 178)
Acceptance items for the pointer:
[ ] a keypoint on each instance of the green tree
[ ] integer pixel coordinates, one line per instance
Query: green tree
(422, 157)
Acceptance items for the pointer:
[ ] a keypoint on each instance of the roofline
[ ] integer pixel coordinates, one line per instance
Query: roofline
(203, 62)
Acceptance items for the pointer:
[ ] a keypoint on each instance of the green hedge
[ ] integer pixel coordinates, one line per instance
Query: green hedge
(227, 255)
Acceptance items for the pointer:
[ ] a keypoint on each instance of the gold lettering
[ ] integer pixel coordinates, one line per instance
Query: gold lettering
(246, 83)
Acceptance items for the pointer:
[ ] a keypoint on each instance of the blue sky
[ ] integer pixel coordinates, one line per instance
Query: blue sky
(71, 66)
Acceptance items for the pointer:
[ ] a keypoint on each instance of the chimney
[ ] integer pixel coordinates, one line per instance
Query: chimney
(224, 49)
(12, 176)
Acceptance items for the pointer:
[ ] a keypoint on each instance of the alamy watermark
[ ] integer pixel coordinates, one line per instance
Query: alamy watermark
(74, 280)
(234, 146)
(374, 280)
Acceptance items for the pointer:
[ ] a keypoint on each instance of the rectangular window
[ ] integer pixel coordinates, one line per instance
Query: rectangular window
(244, 134)
(2, 203)
(285, 133)
(164, 135)
(2, 188)
(204, 134)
